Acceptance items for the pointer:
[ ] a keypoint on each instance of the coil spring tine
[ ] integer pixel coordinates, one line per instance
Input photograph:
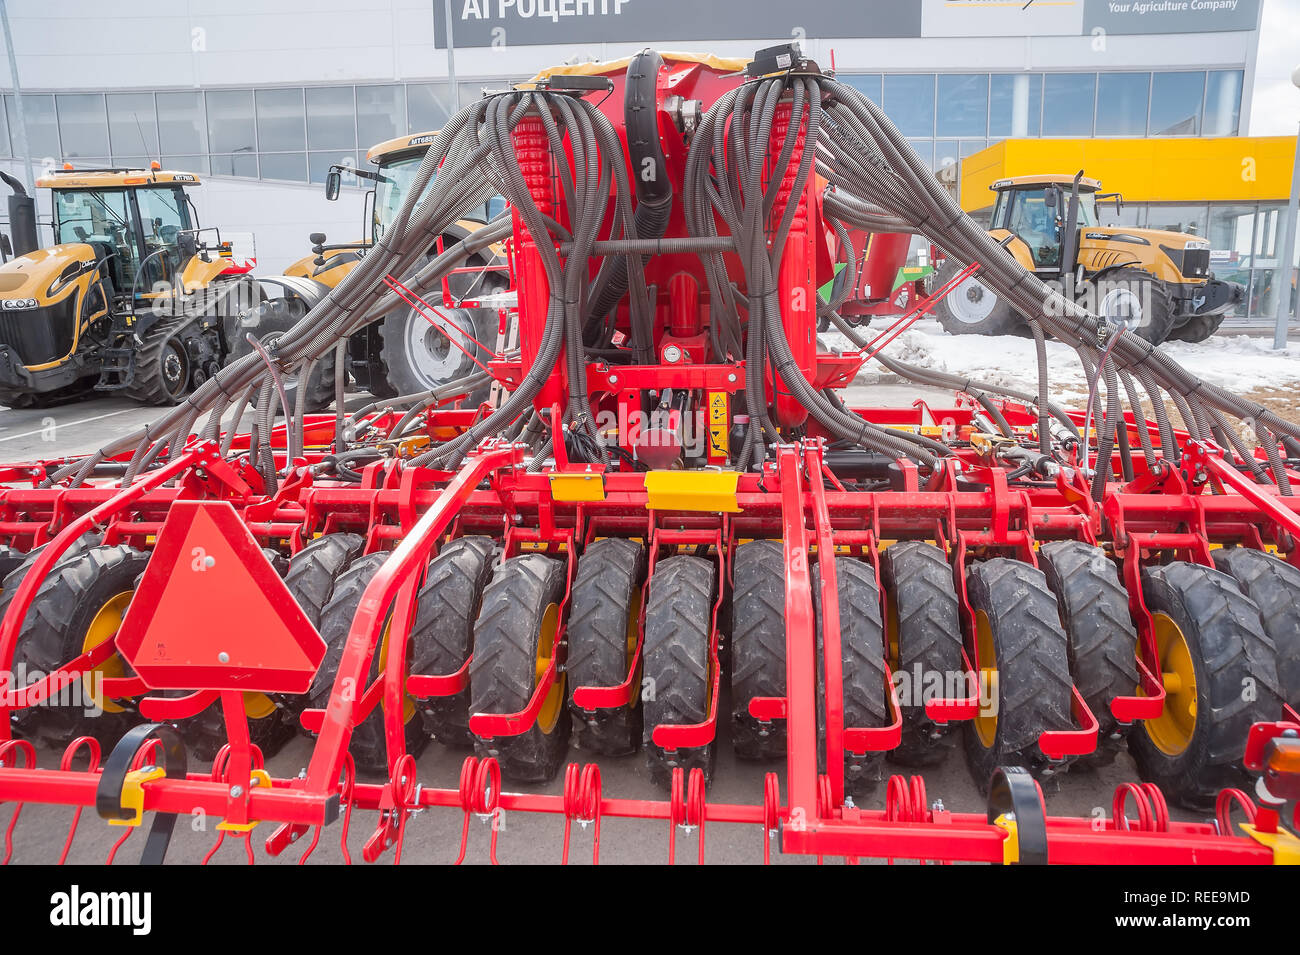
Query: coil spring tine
(65, 764)
(771, 813)
(28, 752)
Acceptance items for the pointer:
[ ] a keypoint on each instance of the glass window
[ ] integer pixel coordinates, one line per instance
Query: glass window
(1176, 103)
(230, 122)
(868, 84)
(132, 125)
(331, 118)
(197, 164)
(101, 217)
(428, 106)
(909, 102)
(243, 165)
(291, 167)
(83, 127)
(42, 134)
(280, 125)
(946, 153)
(1067, 103)
(318, 165)
(381, 112)
(163, 216)
(1122, 104)
(1268, 232)
(1191, 219)
(1015, 104)
(1231, 233)
(1222, 103)
(6, 149)
(181, 127)
(963, 104)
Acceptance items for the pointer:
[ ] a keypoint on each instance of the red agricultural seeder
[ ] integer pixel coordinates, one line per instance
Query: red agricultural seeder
(665, 498)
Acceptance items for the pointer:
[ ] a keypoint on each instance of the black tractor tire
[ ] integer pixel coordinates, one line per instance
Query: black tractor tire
(417, 355)
(442, 634)
(1154, 312)
(1274, 586)
(1031, 655)
(517, 616)
(679, 613)
(972, 308)
(1093, 606)
(1218, 625)
(368, 746)
(310, 578)
(862, 656)
(757, 646)
(68, 602)
(268, 321)
(163, 372)
(923, 626)
(1196, 328)
(604, 614)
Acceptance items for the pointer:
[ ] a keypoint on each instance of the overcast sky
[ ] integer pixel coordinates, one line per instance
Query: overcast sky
(1275, 109)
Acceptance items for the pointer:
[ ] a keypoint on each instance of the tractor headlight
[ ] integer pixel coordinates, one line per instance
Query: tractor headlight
(14, 304)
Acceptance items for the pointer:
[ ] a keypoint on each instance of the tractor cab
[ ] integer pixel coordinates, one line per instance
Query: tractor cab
(140, 224)
(1036, 210)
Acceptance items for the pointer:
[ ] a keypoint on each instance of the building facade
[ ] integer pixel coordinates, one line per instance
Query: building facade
(261, 98)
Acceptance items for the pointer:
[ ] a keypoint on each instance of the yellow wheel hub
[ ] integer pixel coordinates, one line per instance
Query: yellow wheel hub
(986, 721)
(408, 704)
(1172, 730)
(550, 712)
(103, 627)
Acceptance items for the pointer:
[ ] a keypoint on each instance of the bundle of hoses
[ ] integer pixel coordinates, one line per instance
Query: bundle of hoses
(876, 182)
(471, 159)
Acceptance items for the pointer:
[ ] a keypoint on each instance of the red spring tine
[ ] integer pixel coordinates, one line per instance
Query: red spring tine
(404, 786)
(582, 797)
(676, 810)
(8, 750)
(771, 813)
(468, 771)
(695, 804)
(1120, 801)
(480, 793)
(347, 778)
(920, 806)
(1159, 808)
(487, 799)
(346, 798)
(93, 751)
(1223, 809)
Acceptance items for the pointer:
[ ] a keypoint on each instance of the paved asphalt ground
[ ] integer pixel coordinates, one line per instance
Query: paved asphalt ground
(434, 835)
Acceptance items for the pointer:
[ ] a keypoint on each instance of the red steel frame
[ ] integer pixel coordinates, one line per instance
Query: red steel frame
(965, 506)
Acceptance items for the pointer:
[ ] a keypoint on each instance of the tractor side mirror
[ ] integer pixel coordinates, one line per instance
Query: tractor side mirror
(333, 184)
(1052, 197)
(188, 245)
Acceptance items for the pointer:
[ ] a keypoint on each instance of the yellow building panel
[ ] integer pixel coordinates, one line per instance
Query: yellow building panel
(1227, 169)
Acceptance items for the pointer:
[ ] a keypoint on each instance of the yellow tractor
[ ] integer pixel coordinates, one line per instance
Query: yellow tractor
(1157, 283)
(411, 350)
(129, 298)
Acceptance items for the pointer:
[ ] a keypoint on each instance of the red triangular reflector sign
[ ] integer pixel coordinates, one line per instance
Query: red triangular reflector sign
(211, 613)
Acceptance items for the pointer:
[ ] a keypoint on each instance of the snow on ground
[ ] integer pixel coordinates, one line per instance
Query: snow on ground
(1240, 363)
